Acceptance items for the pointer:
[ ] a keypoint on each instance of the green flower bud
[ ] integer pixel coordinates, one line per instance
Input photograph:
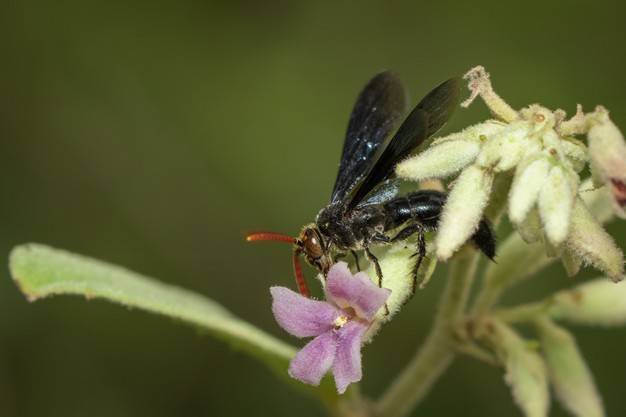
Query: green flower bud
(569, 374)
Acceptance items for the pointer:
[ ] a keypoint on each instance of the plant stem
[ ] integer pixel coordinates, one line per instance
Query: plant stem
(474, 351)
(438, 351)
(352, 404)
(487, 297)
(523, 313)
(517, 261)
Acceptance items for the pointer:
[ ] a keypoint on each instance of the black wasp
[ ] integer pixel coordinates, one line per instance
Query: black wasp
(365, 208)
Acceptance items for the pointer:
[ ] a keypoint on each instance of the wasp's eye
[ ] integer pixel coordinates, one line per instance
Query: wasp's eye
(312, 245)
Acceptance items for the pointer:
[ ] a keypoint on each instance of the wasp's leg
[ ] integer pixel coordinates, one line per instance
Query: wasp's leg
(380, 238)
(373, 259)
(379, 272)
(407, 232)
(421, 249)
(421, 254)
(356, 260)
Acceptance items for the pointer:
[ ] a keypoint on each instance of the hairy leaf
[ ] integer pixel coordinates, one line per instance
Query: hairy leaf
(41, 271)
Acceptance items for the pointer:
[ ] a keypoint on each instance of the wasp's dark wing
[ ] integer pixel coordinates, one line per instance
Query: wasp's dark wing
(440, 103)
(427, 118)
(376, 113)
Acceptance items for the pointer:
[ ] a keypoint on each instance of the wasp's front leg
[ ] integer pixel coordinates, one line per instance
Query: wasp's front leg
(373, 259)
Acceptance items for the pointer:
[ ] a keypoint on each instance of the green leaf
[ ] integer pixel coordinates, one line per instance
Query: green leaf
(41, 271)
(569, 374)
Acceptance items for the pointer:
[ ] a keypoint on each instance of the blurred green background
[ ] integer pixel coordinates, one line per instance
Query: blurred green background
(153, 134)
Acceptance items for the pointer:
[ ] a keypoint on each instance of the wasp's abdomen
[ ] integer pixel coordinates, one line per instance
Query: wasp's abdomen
(423, 206)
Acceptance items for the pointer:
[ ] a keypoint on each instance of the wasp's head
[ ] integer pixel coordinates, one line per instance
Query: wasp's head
(311, 243)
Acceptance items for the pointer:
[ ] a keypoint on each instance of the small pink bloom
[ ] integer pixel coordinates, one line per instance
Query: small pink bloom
(337, 324)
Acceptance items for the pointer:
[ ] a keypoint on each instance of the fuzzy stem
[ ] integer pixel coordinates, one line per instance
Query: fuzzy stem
(474, 351)
(438, 351)
(516, 262)
(352, 404)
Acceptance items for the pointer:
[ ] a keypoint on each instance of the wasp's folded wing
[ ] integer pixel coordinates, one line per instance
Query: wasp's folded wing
(382, 193)
(440, 103)
(376, 114)
(430, 114)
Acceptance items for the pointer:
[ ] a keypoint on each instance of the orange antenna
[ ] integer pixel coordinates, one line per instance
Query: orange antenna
(297, 270)
(278, 237)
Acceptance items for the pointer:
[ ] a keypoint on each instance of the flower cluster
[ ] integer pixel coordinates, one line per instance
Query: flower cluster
(532, 160)
(338, 325)
(538, 148)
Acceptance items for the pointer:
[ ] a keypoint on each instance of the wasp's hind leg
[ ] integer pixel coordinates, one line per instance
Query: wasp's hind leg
(421, 249)
(421, 254)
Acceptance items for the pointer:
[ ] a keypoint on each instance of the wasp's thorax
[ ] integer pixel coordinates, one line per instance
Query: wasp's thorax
(333, 223)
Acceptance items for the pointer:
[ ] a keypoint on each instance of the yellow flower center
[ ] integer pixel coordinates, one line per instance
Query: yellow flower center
(340, 322)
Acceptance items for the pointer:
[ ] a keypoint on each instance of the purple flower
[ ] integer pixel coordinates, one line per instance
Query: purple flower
(337, 324)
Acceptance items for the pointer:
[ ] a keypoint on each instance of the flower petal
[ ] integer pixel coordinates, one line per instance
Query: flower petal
(347, 365)
(358, 292)
(556, 200)
(608, 154)
(301, 316)
(531, 229)
(598, 201)
(315, 359)
(439, 161)
(463, 210)
(478, 133)
(575, 151)
(529, 179)
(504, 150)
(599, 302)
(589, 241)
(571, 262)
